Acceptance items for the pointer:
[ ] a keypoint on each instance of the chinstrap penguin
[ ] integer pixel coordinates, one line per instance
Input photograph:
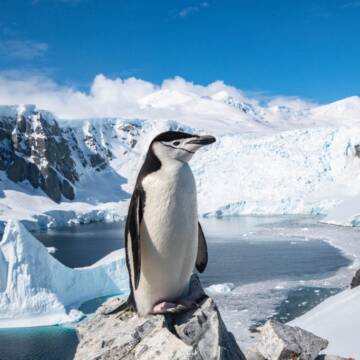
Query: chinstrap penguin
(163, 237)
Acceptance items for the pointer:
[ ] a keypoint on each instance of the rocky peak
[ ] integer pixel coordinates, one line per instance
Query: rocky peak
(34, 147)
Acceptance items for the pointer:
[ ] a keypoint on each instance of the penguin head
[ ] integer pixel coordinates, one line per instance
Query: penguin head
(176, 145)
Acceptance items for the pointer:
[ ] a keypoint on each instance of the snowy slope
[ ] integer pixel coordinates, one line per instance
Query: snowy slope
(36, 289)
(337, 319)
(344, 112)
(268, 159)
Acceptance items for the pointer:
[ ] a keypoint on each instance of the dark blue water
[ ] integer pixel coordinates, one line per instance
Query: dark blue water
(249, 261)
(83, 245)
(42, 343)
(232, 258)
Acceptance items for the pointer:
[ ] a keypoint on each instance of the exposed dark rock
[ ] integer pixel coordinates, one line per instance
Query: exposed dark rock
(357, 150)
(197, 334)
(17, 170)
(34, 147)
(51, 184)
(97, 161)
(67, 190)
(33, 174)
(355, 280)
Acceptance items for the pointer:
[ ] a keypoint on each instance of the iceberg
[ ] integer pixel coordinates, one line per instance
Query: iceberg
(37, 290)
(224, 288)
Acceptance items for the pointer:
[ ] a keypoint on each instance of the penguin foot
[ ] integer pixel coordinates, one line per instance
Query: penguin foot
(163, 307)
(182, 305)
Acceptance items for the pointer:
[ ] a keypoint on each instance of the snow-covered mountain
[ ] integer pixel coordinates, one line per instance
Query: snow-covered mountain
(270, 159)
(36, 149)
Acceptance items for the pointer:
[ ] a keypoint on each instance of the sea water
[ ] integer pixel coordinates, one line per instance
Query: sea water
(265, 276)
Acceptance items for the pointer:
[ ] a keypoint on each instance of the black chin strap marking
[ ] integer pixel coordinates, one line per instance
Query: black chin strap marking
(190, 152)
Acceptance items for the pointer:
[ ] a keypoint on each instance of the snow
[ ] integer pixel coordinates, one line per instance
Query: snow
(15, 110)
(347, 213)
(51, 249)
(305, 171)
(337, 319)
(342, 112)
(36, 289)
(275, 158)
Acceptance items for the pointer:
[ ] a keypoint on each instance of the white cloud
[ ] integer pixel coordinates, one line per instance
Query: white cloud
(175, 99)
(22, 49)
(291, 102)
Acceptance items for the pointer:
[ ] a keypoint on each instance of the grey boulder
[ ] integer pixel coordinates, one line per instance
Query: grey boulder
(280, 342)
(355, 280)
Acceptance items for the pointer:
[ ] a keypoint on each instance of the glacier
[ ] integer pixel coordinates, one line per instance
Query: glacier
(275, 160)
(37, 290)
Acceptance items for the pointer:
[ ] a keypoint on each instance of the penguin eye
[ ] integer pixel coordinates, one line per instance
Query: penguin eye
(176, 143)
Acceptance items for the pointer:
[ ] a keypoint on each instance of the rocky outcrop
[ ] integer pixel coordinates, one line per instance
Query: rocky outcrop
(283, 342)
(35, 148)
(196, 334)
(357, 150)
(355, 280)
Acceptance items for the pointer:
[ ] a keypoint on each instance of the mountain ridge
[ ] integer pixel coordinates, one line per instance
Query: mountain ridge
(302, 161)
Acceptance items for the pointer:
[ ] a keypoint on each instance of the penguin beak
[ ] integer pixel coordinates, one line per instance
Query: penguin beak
(203, 140)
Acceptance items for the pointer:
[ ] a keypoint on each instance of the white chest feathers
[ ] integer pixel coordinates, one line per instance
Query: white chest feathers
(169, 235)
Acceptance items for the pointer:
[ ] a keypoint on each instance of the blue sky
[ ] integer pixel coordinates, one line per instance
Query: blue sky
(309, 49)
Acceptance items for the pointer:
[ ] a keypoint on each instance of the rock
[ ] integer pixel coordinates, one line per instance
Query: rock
(50, 184)
(195, 334)
(330, 357)
(355, 280)
(67, 190)
(280, 341)
(253, 354)
(17, 171)
(97, 161)
(35, 148)
(357, 150)
(33, 174)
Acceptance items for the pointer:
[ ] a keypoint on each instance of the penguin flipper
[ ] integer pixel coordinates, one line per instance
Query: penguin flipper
(132, 236)
(202, 254)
